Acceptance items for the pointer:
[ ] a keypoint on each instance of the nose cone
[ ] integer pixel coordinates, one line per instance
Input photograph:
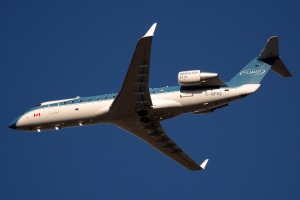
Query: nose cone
(13, 124)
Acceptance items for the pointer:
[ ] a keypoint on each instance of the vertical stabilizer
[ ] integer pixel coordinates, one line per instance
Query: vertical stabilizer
(255, 71)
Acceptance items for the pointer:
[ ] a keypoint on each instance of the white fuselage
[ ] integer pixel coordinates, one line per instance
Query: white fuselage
(167, 103)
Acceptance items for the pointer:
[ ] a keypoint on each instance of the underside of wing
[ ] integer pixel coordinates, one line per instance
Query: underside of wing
(132, 108)
(134, 94)
(153, 133)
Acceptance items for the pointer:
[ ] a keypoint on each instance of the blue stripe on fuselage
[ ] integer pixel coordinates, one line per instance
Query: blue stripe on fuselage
(98, 98)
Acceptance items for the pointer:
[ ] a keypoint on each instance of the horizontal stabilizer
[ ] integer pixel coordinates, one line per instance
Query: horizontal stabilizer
(280, 68)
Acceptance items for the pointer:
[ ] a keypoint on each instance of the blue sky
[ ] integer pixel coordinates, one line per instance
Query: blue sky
(61, 49)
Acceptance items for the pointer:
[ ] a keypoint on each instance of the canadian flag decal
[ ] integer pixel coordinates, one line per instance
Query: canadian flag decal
(37, 114)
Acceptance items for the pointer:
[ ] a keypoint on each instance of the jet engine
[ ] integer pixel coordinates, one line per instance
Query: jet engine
(195, 77)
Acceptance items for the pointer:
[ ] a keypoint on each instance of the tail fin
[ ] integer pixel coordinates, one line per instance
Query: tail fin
(270, 55)
(268, 59)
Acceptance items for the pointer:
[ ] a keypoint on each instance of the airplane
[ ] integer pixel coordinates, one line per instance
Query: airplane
(139, 109)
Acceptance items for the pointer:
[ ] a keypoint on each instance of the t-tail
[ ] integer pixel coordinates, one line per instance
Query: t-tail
(255, 71)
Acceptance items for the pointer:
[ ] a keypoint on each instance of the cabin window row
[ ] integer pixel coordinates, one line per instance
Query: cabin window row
(83, 100)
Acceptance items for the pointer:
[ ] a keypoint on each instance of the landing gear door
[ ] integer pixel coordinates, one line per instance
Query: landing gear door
(53, 108)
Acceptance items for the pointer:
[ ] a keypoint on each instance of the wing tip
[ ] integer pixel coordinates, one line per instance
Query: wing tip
(150, 32)
(204, 164)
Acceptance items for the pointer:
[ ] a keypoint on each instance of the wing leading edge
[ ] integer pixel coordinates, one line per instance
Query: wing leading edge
(132, 108)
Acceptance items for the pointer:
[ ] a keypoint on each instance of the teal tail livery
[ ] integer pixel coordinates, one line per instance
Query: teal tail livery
(255, 71)
(139, 109)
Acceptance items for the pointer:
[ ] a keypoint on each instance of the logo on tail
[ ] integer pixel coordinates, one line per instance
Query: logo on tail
(252, 71)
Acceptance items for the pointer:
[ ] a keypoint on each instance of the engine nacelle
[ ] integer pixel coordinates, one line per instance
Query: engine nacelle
(194, 77)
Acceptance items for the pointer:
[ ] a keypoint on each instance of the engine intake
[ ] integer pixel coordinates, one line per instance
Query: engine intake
(194, 77)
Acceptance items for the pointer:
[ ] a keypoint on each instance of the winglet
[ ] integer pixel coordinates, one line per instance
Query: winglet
(204, 164)
(150, 31)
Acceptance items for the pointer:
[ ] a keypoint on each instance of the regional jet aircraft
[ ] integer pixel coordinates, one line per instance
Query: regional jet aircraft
(139, 110)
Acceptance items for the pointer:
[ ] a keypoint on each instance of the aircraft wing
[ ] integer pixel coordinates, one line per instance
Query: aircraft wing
(153, 134)
(216, 82)
(135, 91)
(131, 110)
